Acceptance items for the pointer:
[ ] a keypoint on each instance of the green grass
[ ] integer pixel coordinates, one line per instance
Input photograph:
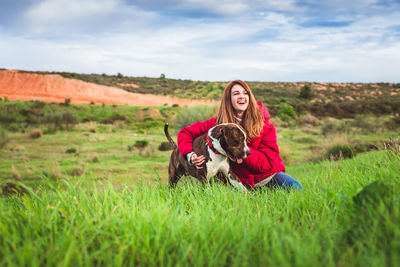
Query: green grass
(33, 158)
(118, 210)
(76, 223)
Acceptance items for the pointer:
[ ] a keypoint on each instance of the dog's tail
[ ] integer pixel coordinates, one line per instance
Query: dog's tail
(169, 137)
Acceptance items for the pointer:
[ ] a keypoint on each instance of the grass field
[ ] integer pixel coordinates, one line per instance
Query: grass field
(336, 221)
(94, 197)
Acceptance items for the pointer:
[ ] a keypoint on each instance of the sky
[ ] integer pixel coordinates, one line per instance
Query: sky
(213, 40)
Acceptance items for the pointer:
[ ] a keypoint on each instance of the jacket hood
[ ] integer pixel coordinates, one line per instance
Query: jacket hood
(264, 111)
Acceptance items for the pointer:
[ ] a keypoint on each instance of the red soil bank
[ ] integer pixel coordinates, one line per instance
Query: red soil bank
(55, 88)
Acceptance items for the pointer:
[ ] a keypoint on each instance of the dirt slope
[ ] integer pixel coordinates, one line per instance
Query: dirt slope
(54, 88)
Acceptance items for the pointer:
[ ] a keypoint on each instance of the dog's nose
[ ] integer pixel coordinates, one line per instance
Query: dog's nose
(248, 152)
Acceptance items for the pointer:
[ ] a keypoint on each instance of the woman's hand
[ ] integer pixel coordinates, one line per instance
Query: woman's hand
(197, 160)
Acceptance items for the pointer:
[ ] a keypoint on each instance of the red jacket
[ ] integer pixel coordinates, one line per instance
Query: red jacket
(264, 159)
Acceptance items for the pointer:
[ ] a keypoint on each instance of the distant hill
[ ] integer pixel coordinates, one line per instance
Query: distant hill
(330, 99)
(25, 86)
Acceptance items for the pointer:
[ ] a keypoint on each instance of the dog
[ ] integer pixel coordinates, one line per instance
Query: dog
(223, 142)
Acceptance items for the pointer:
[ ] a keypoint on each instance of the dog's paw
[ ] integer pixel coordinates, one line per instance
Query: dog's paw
(237, 184)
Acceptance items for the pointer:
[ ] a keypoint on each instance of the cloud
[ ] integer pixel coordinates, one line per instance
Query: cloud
(252, 40)
(72, 17)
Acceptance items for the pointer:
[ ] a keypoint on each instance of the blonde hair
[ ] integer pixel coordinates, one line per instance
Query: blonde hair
(252, 120)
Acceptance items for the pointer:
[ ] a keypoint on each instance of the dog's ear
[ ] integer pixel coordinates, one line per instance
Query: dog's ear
(217, 132)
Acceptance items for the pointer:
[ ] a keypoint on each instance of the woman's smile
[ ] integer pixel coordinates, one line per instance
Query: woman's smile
(239, 99)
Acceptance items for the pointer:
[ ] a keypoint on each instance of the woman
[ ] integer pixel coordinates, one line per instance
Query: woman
(264, 165)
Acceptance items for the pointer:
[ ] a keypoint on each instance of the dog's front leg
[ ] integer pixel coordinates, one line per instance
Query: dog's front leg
(234, 181)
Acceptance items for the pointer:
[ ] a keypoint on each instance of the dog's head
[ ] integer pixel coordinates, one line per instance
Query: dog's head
(229, 139)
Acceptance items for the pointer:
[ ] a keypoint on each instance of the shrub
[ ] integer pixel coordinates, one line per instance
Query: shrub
(334, 127)
(71, 150)
(67, 101)
(69, 120)
(35, 134)
(340, 151)
(286, 111)
(164, 146)
(33, 119)
(393, 123)
(191, 115)
(364, 123)
(141, 143)
(11, 116)
(308, 119)
(13, 127)
(95, 159)
(53, 118)
(13, 189)
(364, 147)
(306, 92)
(77, 172)
(39, 104)
(393, 145)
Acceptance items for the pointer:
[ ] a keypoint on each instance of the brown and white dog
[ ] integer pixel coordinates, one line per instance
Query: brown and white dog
(223, 142)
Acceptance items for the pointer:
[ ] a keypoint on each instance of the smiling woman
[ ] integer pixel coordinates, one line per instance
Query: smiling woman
(263, 166)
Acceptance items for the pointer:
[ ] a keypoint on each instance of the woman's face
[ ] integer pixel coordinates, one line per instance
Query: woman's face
(239, 99)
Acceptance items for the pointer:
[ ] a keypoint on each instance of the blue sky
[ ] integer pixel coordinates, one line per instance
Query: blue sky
(274, 40)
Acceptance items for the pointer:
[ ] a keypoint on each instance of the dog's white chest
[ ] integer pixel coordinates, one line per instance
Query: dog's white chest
(217, 163)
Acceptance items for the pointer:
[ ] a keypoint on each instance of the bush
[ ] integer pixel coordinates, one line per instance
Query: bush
(393, 123)
(188, 116)
(71, 150)
(69, 120)
(53, 118)
(11, 116)
(141, 143)
(393, 145)
(165, 146)
(335, 127)
(35, 134)
(13, 189)
(340, 151)
(39, 104)
(13, 127)
(286, 111)
(77, 172)
(364, 123)
(306, 92)
(308, 119)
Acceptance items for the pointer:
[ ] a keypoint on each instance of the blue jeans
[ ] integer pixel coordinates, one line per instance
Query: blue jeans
(284, 180)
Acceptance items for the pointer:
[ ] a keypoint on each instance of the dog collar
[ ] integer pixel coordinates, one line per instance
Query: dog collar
(210, 145)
